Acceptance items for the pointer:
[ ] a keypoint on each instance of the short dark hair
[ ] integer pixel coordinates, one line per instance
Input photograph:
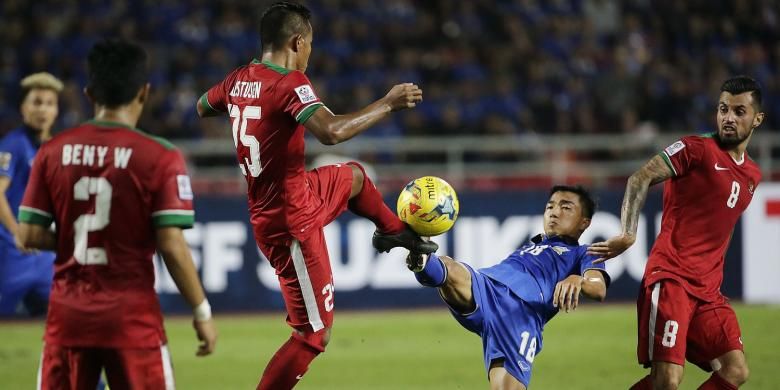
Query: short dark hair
(741, 84)
(117, 70)
(587, 202)
(281, 21)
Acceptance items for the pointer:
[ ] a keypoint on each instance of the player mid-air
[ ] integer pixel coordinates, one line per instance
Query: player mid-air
(682, 314)
(508, 304)
(117, 194)
(271, 104)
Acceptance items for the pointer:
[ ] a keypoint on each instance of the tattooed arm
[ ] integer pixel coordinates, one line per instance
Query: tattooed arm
(653, 172)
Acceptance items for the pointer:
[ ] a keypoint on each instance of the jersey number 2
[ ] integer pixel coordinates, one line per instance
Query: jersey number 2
(86, 223)
(239, 134)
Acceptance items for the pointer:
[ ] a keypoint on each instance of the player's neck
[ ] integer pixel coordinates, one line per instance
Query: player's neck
(737, 152)
(124, 115)
(282, 59)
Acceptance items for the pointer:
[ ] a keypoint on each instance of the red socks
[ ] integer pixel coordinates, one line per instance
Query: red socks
(369, 204)
(288, 365)
(644, 384)
(716, 382)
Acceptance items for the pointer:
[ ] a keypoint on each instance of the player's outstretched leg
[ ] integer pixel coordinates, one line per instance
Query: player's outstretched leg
(452, 279)
(366, 201)
(292, 360)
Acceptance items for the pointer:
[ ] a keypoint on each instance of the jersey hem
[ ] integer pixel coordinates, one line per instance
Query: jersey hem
(34, 216)
(175, 220)
(204, 102)
(668, 162)
(307, 112)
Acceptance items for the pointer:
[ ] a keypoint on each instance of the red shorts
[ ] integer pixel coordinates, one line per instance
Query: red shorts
(79, 368)
(303, 267)
(675, 326)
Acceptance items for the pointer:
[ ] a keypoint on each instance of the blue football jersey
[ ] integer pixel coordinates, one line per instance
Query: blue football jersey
(532, 271)
(17, 150)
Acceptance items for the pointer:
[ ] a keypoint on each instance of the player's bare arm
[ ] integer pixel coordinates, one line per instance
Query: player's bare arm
(34, 236)
(567, 291)
(6, 215)
(178, 259)
(653, 172)
(332, 129)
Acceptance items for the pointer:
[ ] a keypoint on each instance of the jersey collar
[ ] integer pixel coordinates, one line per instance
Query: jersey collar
(271, 65)
(566, 240)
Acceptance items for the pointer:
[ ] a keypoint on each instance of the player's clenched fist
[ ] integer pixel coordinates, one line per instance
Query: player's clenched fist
(405, 95)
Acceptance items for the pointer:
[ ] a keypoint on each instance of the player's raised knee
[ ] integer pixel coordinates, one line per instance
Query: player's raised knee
(358, 176)
(736, 373)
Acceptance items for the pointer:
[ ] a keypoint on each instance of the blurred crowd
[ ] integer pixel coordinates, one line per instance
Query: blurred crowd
(486, 66)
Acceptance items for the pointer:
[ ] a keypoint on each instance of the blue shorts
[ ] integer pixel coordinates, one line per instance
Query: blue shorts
(23, 276)
(509, 327)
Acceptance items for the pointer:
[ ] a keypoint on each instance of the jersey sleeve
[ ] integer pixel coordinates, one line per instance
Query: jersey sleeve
(172, 202)
(298, 97)
(214, 100)
(9, 157)
(586, 263)
(683, 155)
(37, 206)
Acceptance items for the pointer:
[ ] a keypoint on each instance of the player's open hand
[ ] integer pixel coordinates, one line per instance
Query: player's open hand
(567, 293)
(207, 334)
(402, 96)
(610, 248)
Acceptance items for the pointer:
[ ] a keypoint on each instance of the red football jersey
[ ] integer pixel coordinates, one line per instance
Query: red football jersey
(702, 203)
(268, 105)
(107, 187)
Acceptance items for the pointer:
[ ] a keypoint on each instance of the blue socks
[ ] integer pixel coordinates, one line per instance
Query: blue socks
(434, 274)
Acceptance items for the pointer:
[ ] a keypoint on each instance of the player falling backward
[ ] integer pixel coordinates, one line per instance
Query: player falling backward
(508, 304)
(681, 311)
(272, 104)
(117, 195)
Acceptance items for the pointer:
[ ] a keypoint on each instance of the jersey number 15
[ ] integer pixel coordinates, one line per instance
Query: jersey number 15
(239, 134)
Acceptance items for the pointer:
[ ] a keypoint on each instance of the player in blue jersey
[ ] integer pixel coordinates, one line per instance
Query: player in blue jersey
(508, 304)
(25, 276)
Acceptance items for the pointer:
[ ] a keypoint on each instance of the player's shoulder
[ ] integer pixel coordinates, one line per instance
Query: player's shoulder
(12, 138)
(700, 139)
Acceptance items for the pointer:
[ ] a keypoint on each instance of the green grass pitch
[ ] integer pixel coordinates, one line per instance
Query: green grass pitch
(592, 348)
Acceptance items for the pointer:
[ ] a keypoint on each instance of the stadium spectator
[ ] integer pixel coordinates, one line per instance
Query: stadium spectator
(25, 275)
(682, 314)
(671, 55)
(117, 195)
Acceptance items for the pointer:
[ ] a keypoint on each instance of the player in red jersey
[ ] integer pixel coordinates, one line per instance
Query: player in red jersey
(271, 104)
(682, 314)
(116, 194)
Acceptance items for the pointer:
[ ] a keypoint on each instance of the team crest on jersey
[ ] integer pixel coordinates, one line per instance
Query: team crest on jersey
(305, 94)
(185, 189)
(674, 148)
(751, 186)
(5, 160)
(560, 249)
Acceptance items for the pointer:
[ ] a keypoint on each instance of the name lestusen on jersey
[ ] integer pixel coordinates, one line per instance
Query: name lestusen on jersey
(94, 155)
(246, 89)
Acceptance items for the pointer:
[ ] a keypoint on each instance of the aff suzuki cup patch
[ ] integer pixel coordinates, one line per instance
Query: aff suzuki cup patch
(674, 148)
(185, 189)
(305, 94)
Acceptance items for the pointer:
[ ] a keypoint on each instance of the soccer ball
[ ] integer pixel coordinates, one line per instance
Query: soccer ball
(428, 205)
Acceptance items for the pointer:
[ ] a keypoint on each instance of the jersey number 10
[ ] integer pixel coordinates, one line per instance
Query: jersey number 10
(239, 134)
